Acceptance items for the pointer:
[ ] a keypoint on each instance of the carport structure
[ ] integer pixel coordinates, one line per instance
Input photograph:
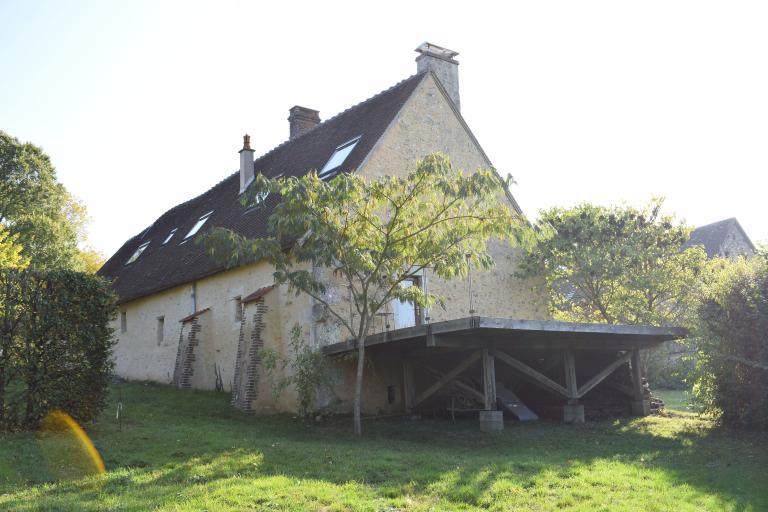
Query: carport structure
(523, 366)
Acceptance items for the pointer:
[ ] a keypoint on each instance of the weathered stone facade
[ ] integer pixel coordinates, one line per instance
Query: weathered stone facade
(427, 122)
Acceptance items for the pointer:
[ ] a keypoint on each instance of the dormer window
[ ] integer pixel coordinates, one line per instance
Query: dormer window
(137, 253)
(338, 157)
(199, 224)
(170, 235)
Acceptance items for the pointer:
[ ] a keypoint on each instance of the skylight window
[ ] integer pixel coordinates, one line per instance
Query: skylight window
(338, 157)
(170, 235)
(199, 224)
(137, 253)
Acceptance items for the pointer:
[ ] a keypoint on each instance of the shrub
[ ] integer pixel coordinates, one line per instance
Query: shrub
(732, 332)
(55, 345)
(306, 370)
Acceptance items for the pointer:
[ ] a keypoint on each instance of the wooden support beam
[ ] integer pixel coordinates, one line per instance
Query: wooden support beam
(489, 380)
(637, 381)
(448, 377)
(603, 374)
(538, 377)
(459, 384)
(409, 391)
(569, 361)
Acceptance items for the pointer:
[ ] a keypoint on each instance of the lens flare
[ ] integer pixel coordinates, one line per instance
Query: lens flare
(67, 448)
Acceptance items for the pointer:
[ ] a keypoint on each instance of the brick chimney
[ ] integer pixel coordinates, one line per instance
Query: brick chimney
(246, 164)
(440, 61)
(301, 120)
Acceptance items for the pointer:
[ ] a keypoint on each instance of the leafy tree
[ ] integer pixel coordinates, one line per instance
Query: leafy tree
(46, 220)
(618, 265)
(615, 264)
(732, 331)
(10, 250)
(374, 235)
(90, 260)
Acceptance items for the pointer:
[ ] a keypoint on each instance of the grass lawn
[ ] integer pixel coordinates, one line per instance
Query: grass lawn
(192, 451)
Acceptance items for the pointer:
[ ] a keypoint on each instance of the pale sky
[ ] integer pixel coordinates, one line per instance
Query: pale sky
(142, 105)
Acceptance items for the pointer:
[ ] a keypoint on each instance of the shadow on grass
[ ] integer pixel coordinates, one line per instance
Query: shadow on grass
(199, 448)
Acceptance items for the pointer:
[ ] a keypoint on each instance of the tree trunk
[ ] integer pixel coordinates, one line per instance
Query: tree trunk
(359, 380)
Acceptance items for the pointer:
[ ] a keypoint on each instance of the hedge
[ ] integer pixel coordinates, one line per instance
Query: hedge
(55, 345)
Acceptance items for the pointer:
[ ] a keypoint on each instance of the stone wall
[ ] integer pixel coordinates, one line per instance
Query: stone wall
(427, 123)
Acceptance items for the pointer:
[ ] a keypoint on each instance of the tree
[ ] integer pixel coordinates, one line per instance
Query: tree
(46, 220)
(90, 260)
(615, 264)
(10, 250)
(373, 236)
(618, 265)
(732, 331)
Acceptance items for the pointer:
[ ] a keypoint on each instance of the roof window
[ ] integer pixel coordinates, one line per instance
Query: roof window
(199, 224)
(170, 235)
(338, 157)
(137, 253)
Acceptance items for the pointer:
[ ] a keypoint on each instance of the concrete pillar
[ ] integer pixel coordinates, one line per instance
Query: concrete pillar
(641, 407)
(491, 421)
(573, 413)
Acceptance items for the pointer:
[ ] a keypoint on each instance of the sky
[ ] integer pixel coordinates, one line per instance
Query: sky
(142, 104)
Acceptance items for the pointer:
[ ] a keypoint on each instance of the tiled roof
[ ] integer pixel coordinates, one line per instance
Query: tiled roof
(713, 236)
(161, 267)
(257, 294)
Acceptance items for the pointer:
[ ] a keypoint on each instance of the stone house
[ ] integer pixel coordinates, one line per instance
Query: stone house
(723, 239)
(188, 320)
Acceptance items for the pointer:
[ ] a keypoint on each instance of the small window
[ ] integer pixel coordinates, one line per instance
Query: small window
(160, 329)
(238, 301)
(123, 321)
(338, 157)
(170, 235)
(257, 202)
(137, 253)
(199, 224)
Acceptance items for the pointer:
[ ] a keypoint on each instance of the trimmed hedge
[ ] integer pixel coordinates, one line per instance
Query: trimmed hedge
(55, 345)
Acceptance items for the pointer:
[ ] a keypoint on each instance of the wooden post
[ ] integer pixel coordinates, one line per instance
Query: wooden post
(489, 380)
(573, 412)
(409, 391)
(637, 379)
(569, 361)
(640, 406)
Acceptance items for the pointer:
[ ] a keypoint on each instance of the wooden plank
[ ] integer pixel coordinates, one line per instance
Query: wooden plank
(489, 380)
(637, 381)
(538, 377)
(569, 361)
(597, 379)
(448, 377)
(459, 384)
(513, 404)
(409, 391)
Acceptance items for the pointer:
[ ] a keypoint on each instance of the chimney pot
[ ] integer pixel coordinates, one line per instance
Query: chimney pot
(246, 163)
(441, 62)
(301, 120)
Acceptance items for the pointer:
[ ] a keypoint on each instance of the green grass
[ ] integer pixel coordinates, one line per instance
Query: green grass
(192, 451)
(676, 399)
